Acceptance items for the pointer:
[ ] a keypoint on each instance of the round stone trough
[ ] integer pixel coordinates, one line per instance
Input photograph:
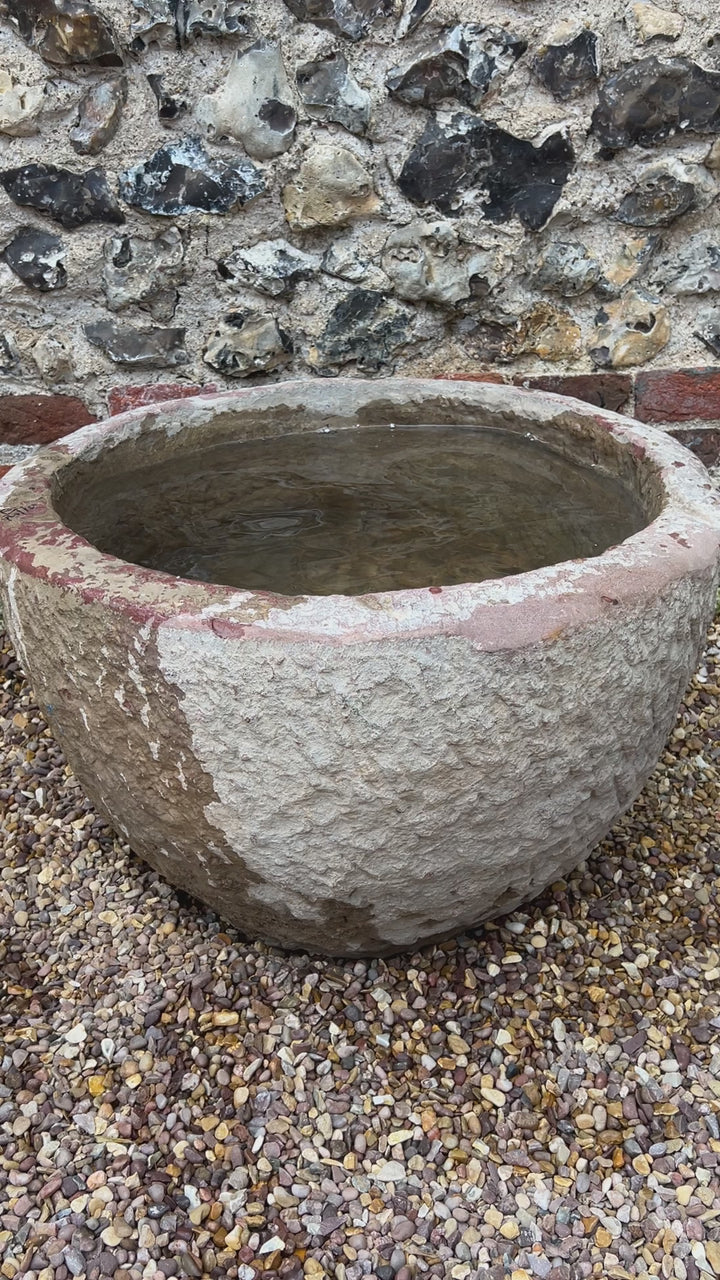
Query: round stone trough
(361, 774)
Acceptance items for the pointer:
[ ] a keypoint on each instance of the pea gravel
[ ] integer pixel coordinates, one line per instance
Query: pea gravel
(538, 1099)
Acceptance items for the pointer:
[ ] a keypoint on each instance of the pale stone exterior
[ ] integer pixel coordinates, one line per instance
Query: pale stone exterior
(359, 775)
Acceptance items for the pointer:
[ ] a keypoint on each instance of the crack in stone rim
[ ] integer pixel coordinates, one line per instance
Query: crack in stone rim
(508, 612)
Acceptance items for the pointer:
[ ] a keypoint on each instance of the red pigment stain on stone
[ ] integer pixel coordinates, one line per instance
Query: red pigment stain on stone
(123, 398)
(4, 471)
(435, 591)
(32, 419)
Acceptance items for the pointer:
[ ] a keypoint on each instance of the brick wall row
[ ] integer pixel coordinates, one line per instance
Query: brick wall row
(685, 402)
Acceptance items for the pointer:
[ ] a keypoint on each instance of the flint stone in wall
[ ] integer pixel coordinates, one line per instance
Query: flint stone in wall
(53, 358)
(330, 189)
(212, 17)
(367, 327)
(246, 343)
(631, 331)
(653, 99)
(566, 267)
(154, 23)
(36, 257)
(8, 357)
(708, 331)
(657, 200)
(182, 178)
(254, 105)
(168, 108)
(139, 347)
(652, 22)
(173, 22)
(144, 272)
(330, 92)
(274, 267)
(627, 265)
(569, 69)
(427, 263)
(348, 260)
(72, 199)
(349, 18)
(20, 106)
(99, 115)
(550, 334)
(460, 63)
(694, 269)
(413, 12)
(495, 339)
(469, 161)
(65, 32)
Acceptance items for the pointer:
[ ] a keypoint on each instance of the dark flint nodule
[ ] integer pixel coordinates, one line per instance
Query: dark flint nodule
(148, 347)
(330, 92)
(709, 333)
(72, 199)
(656, 201)
(278, 115)
(272, 267)
(569, 69)
(412, 15)
(35, 257)
(8, 358)
(211, 17)
(168, 108)
(471, 158)
(65, 32)
(177, 22)
(460, 63)
(182, 178)
(652, 99)
(99, 115)
(349, 18)
(367, 326)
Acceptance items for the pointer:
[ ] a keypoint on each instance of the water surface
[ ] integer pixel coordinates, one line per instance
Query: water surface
(369, 509)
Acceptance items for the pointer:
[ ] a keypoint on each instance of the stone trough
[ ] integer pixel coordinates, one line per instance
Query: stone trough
(359, 774)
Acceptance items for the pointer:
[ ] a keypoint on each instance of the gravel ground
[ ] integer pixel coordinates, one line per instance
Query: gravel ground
(538, 1099)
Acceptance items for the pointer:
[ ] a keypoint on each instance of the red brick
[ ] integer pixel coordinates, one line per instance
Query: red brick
(681, 395)
(704, 443)
(40, 419)
(123, 398)
(606, 390)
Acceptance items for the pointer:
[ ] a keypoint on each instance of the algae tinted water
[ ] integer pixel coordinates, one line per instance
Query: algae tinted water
(370, 509)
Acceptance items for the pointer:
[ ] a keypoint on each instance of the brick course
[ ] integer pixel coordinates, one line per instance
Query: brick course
(679, 395)
(33, 419)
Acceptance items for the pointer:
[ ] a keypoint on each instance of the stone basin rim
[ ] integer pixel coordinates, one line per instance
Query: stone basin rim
(509, 612)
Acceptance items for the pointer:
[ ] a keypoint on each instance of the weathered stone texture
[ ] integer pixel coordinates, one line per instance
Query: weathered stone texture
(332, 773)
(499, 177)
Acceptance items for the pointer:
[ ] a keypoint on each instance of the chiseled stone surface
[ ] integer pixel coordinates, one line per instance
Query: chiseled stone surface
(334, 126)
(241, 742)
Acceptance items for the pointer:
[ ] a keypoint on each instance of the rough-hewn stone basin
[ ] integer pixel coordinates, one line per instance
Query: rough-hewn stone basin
(360, 773)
